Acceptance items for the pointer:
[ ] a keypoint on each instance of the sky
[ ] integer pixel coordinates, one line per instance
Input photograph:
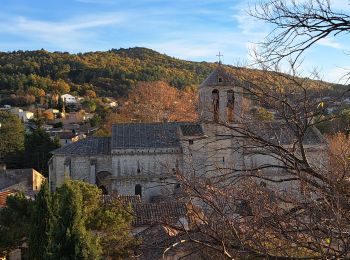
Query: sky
(195, 30)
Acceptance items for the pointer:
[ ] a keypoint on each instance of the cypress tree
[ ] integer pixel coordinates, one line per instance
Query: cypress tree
(40, 241)
(71, 238)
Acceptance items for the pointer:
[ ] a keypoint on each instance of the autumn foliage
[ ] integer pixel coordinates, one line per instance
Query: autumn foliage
(155, 102)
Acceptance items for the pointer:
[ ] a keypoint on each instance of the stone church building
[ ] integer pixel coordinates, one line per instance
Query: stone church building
(141, 158)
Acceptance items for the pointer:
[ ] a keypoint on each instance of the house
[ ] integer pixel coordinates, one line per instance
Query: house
(28, 181)
(69, 99)
(66, 138)
(12, 181)
(25, 116)
(3, 196)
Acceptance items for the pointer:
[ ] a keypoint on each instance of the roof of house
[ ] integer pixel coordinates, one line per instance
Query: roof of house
(220, 77)
(158, 213)
(11, 177)
(124, 199)
(4, 195)
(66, 135)
(87, 146)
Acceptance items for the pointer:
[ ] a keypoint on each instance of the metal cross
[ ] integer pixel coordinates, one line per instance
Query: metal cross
(220, 55)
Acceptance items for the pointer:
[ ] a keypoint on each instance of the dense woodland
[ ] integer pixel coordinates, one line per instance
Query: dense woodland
(110, 73)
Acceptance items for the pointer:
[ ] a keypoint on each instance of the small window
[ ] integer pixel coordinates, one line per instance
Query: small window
(220, 80)
(138, 190)
(190, 142)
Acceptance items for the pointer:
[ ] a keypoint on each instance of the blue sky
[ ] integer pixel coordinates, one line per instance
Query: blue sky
(189, 29)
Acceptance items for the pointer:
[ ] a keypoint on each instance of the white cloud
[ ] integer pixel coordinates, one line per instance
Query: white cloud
(330, 42)
(70, 34)
(339, 75)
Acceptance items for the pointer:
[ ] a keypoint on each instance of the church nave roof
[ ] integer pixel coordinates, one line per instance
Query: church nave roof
(151, 135)
(87, 146)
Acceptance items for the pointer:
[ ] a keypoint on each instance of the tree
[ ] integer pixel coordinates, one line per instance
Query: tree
(110, 220)
(297, 27)
(90, 93)
(37, 92)
(37, 148)
(48, 115)
(114, 225)
(61, 86)
(72, 223)
(14, 223)
(11, 135)
(284, 199)
(41, 225)
(89, 105)
(157, 102)
(71, 238)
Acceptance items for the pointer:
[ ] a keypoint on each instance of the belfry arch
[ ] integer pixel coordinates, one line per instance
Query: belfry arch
(216, 104)
(230, 106)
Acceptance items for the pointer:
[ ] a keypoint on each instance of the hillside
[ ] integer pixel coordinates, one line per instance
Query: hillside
(109, 73)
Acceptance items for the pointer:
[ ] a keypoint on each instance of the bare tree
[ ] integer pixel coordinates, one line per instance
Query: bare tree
(297, 26)
(293, 201)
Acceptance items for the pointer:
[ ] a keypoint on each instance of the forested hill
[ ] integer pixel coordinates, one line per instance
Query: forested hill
(109, 73)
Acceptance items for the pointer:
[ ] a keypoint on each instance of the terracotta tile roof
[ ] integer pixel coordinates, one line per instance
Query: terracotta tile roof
(124, 199)
(129, 199)
(4, 195)
(158, 213)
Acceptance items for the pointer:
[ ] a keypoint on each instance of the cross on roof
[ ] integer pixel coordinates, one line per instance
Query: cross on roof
(220, 55)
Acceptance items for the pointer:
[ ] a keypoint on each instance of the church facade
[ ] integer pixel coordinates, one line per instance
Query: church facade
(142, 158)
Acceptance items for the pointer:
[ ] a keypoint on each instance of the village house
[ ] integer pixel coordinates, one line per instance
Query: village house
(69, 99)
(68, 137)
(25, 116)
(28, 181)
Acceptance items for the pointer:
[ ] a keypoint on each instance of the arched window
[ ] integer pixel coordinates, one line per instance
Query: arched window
(138, 190)
(215, 102)
(230, 105)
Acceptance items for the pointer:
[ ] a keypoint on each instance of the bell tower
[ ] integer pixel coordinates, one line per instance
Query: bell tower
(220, 97)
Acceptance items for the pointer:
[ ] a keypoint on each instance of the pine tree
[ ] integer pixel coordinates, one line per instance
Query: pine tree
(42, 220)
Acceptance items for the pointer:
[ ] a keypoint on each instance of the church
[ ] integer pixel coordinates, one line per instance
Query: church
(142, 158)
